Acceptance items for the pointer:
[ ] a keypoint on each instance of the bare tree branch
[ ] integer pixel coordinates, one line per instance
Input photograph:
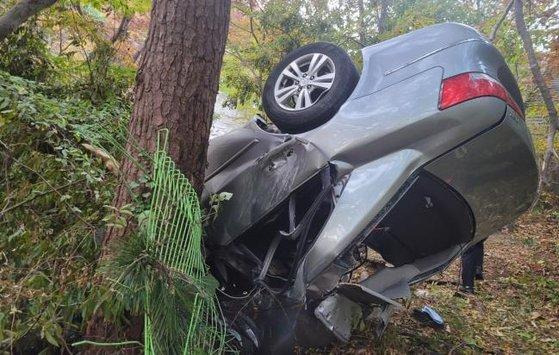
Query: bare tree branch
(500, 22)
(19, 13)
(39, 194)
(251, 22)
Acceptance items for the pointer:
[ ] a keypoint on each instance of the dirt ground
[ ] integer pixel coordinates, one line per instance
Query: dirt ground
(515, 309)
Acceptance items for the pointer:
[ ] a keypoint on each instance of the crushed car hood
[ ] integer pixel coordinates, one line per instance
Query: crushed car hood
(260, 170)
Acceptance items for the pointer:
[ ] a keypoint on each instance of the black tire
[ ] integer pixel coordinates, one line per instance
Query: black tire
(327, 104)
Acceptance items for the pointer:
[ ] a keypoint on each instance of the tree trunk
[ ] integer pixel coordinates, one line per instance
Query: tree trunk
(176, 88)
(543, 89)
(361, 30)
(122, 30)
(382, 15)
(19, 13)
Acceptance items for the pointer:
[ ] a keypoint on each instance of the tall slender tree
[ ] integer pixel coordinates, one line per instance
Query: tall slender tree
(122, 30)
(382, 16)
(542, 88)
(176, 88)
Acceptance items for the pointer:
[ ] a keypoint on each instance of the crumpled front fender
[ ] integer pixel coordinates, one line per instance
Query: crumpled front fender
(367, 196)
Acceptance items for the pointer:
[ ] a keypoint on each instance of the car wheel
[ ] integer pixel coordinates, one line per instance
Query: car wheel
(308, 87)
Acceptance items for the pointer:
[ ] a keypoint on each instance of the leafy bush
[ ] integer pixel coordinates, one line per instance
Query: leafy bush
(94, 76)
(25, 53)
(53, 192)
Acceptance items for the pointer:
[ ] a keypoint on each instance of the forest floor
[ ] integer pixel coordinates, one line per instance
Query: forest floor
(515, 309)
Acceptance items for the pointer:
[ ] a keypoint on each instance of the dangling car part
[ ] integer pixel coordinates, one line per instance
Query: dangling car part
(427, 154)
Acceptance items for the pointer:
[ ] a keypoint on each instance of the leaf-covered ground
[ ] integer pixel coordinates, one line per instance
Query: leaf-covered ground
(515, 309)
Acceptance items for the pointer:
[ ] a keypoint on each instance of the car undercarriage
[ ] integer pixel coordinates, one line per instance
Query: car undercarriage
(428, 155)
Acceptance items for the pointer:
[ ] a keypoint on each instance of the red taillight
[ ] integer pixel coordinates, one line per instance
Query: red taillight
(467, 86)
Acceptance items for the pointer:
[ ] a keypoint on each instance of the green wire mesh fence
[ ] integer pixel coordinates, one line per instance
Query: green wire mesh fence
(174, 226)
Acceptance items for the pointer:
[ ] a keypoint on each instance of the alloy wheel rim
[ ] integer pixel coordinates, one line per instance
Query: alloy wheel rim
(304, 81)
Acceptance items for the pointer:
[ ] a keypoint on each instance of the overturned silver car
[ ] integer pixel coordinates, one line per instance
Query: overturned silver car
(421, 155)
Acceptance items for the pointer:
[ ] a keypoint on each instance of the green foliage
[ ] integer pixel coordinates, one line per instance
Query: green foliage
(261, 35)
(159, 270)
(135, 269)
(135, 272)
(70, 51)
(57, 190)
(416, 14)
(261, 38)
(26, 54)
(53, 192)
(126, 7)
(105, 78)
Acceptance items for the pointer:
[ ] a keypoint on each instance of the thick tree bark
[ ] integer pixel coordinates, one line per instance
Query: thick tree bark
(176, 88)
(19, 13)
(543, 89)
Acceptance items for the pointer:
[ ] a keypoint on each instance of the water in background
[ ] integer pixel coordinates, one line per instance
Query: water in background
(225, 118)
